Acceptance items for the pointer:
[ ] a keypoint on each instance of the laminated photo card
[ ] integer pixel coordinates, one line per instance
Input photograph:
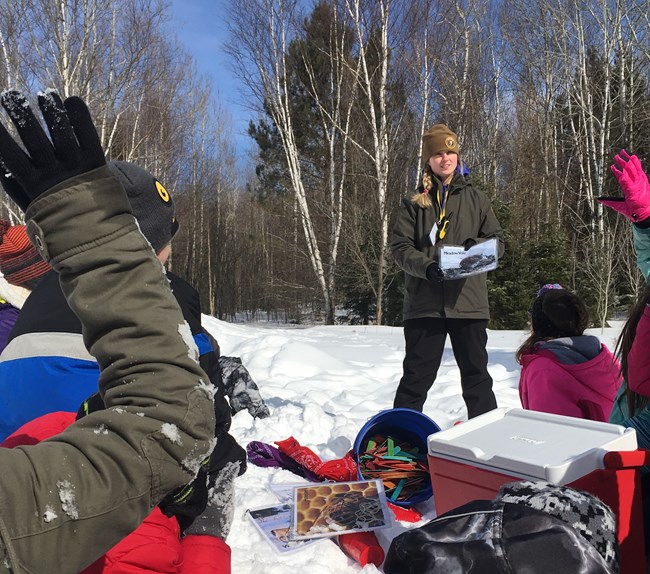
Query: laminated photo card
(274, 522)
(284, 490)
(456, 263)
(334, 508)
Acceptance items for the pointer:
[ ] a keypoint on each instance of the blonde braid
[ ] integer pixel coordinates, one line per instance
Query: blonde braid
(423, 199)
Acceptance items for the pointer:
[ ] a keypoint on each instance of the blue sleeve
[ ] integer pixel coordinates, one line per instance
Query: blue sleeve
(34, 386)
(203, 344)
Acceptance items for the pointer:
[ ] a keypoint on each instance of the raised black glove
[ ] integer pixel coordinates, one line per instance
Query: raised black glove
(469, 243)
(72, 148)
(434, 273)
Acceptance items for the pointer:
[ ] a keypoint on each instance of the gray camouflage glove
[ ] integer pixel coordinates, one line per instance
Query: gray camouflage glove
(241, 389)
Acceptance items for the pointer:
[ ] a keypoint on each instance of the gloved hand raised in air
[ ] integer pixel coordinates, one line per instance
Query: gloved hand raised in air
(72, 148)
(635, 203)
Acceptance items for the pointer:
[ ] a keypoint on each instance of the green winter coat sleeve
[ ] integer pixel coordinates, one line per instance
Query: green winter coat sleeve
(67, 500)
(404, 246)
(619, 411)
(641, 239)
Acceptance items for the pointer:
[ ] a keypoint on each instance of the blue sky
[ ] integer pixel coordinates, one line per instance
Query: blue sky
(201, 29)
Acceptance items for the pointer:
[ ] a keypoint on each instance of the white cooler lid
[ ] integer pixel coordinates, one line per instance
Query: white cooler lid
(530, 444)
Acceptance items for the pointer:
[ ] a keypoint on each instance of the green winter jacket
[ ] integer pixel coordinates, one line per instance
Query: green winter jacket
(641, 238)
(470, 217)
(67, 500)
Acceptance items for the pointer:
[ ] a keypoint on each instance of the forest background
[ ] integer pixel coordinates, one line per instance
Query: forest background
(542, 94)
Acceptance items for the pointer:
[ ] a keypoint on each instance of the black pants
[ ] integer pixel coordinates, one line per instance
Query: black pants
(425, 343)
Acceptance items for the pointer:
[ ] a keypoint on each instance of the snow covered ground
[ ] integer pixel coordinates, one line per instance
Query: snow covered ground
(322, 384)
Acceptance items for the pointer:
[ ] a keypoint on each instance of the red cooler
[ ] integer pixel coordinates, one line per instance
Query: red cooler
(472, 460)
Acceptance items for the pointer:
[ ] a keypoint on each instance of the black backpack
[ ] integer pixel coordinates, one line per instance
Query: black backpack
(530, 527)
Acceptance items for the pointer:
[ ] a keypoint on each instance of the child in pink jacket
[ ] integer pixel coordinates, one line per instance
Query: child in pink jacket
(564, 371)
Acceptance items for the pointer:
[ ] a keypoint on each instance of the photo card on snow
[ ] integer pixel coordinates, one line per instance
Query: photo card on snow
(334, 508)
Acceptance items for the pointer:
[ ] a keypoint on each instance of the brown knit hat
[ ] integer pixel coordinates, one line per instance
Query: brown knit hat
(20, 261)
(436, 139)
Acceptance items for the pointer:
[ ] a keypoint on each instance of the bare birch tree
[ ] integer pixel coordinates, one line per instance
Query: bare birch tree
(334, 113)
(264, 30)
(371, 21)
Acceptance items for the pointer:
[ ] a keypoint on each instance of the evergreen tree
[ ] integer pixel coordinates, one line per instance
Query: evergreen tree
(523, 269)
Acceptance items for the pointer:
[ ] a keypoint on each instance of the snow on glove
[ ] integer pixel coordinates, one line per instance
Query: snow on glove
(216, 518)
(73, 146)
(635, 203)
(188, 502)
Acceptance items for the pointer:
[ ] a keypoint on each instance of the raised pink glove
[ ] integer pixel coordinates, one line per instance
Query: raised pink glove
(635, 203)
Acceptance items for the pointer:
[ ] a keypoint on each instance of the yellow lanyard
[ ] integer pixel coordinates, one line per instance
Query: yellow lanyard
(442, 203)
(443, 221)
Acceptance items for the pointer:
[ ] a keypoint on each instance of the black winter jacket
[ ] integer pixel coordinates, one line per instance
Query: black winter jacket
(535, 528)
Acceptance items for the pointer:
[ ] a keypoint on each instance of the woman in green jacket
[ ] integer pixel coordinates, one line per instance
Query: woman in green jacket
(445, 210)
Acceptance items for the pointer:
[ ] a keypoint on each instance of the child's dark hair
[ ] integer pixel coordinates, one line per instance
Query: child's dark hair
(555, 313)
(635, 401)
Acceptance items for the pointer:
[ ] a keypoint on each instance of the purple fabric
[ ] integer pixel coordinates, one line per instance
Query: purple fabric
(262, 454)
(8, 316)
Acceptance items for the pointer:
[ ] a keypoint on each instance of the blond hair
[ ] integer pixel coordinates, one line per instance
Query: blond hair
(423, 198)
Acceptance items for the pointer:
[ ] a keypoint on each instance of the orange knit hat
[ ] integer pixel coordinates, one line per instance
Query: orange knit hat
(20, 262)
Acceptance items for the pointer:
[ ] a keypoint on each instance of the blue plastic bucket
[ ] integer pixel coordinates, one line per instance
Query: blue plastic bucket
(405, 425)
